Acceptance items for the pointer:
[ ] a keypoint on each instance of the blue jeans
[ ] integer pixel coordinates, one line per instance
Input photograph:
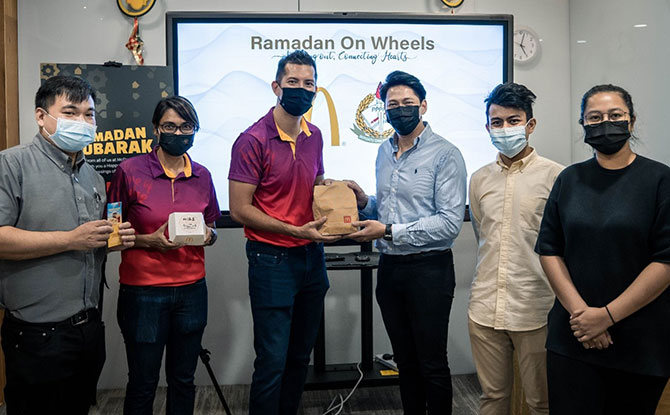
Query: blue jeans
(157, 318)
(286, 287)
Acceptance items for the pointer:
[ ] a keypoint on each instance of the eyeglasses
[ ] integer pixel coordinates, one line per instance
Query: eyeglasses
(171, 128)
(596, 117)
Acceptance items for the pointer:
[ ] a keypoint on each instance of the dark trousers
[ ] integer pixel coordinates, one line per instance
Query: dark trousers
(415, 293)
(52, 368)
(153, 319)
(286, 288)
(577, 388)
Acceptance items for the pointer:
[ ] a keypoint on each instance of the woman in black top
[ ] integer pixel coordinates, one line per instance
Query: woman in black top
(604, 244)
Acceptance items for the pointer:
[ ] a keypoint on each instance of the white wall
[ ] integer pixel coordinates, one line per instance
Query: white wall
(63, 31)
(636, 59)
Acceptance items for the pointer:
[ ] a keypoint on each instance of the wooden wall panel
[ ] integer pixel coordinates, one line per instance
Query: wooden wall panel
(9, 75)
(9, 102)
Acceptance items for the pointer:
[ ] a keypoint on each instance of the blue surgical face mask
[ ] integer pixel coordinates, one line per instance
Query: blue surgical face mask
(71, 136)
(510, 141)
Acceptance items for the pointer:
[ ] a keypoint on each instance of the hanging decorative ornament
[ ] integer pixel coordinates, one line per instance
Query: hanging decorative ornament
(135, 44)
(135, 9)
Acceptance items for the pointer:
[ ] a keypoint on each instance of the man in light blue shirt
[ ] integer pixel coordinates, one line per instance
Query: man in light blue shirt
(417, 212)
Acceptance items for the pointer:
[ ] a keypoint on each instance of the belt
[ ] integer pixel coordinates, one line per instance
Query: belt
(417, 256)
(286, 249)
(81, 317)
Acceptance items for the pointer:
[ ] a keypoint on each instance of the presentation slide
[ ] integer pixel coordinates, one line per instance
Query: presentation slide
(226, 68)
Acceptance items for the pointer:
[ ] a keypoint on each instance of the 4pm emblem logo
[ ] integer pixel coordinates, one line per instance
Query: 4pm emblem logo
(135, 8)
(371, 124)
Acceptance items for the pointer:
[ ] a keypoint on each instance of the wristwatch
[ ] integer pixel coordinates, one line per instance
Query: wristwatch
(388, 233)
(212, 237)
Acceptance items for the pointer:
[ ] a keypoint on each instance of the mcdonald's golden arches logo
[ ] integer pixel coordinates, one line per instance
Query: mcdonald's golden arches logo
(332, 116)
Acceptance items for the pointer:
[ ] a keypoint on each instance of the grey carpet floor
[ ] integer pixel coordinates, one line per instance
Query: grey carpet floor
(364, 401)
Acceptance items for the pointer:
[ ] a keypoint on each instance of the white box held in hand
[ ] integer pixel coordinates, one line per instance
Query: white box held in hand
(187, 228)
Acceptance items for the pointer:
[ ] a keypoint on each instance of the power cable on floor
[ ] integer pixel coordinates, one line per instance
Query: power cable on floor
(340, 406)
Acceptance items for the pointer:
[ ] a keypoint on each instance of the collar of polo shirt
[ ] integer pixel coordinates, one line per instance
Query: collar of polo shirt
(285, 137)
(187, 168)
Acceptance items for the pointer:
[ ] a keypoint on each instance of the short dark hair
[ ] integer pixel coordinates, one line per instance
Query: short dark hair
(180, 105)
(608, 88)
(297, 57)
(396, 78)
(74, 89)
(511, 95)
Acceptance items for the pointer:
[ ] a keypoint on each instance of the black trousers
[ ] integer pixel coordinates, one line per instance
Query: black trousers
(415, 293)
(577, 388)
(52, 368)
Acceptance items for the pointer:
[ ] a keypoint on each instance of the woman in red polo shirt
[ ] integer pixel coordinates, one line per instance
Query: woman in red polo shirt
(163, 296)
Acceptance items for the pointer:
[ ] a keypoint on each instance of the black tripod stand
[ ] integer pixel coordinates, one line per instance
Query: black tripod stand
(204, 356)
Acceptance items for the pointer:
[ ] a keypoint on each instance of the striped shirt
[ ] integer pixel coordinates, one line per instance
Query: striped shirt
(421, 193)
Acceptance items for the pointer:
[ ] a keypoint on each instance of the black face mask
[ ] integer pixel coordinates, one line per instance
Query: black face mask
(296, 101)
(404, 119)
(175, 145)
(607, 137)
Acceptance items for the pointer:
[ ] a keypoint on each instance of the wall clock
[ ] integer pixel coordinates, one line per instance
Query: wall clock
(526, 45)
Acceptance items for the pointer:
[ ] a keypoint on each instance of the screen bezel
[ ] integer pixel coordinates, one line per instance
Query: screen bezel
(173, 19)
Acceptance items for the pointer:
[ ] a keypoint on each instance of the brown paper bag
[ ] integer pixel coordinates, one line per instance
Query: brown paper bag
(338, 203)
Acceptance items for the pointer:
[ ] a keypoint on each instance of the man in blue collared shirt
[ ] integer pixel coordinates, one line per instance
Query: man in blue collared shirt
(418, 212)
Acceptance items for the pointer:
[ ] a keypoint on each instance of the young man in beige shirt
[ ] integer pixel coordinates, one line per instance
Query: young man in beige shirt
(510, 293)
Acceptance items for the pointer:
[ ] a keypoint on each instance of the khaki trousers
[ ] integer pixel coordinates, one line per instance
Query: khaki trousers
(492, 351)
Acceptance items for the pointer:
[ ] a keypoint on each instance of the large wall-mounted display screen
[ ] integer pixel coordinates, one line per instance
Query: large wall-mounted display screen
(224, 63)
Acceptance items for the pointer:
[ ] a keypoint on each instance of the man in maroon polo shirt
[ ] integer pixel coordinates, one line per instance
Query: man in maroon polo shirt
(275, 164)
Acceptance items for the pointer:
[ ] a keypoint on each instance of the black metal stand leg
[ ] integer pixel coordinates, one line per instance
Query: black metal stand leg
(366, 320)
(320, 346)
(204, 356)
